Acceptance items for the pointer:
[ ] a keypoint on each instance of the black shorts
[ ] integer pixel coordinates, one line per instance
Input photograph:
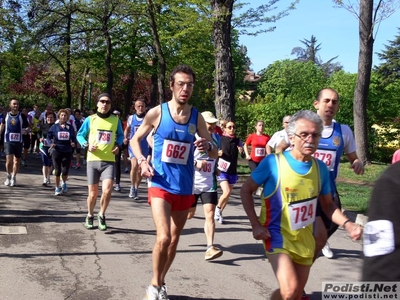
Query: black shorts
(206, 198)
(13, 148)
(26, 138)
(329, 225)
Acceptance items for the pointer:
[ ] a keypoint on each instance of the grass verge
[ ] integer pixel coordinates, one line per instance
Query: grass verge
(354, 190)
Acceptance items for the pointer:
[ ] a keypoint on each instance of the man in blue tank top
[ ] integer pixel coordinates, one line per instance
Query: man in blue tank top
(15, 126)
(336, 138)
(171, 173)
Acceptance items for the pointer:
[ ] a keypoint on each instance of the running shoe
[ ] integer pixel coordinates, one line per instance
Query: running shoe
(89, 222)
(117, 188)
(64, 188)
(217, 213)
(48, 180)
(8, 179)
(152, 293)
(13, 181)
(102, 222)
(44, 182)
(58, 191)
(132, 192)
(24, 163)
(327, 252)
(162, 294)
(136, 197)
(77, 166)
(213, 253)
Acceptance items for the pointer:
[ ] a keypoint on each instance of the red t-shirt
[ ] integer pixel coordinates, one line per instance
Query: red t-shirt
(218, 130)
(258, 146)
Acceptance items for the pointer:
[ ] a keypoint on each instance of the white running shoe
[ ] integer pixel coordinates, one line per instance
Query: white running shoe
(13, 181)
(326, 251)
(152, 293)
(162, 294)
(217, 213)
(132, 193)
(8, 179)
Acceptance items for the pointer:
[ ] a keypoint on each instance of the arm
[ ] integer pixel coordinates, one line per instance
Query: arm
(119, 138)
(282, 146)
(355, 163)
(246, 194)
(83, 133)
(127, 132)
(246, 151)
(149, 122)
(203, 144)
(336, 215)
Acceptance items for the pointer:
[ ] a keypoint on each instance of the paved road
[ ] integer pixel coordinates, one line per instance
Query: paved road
(59, 259)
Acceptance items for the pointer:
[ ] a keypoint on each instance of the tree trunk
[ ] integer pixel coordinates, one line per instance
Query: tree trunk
(224, 74)
(363, 79)
(129, 93)
(108, 59)
(158, 49)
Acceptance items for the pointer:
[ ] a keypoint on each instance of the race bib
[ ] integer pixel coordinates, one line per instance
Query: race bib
(223, 165)
(175, 152)
(63, 136)
(327, 156)
(259, 152)
(104, 137)
(302, 214)
(15, 137)
(207, 168)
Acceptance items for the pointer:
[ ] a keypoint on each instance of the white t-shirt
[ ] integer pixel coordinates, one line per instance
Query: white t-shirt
(277, 137)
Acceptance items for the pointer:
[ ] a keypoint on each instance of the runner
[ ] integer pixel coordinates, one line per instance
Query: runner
(101, 134)
(172, 171)
(15, 125)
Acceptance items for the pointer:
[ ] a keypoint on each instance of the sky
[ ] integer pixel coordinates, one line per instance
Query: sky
(336, 29)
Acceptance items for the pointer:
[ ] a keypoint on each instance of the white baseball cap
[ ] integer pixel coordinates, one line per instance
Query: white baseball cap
(209, 117)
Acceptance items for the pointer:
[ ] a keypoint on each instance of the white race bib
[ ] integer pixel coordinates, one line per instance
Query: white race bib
(15, 137)
(259, 152)
(208, 167)
(223, 165)
(302, 213)
(63, 136)
(175, 152)
(327, 156)
(104, 137)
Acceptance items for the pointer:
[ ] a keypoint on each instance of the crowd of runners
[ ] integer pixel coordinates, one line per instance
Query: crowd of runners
(185, 154)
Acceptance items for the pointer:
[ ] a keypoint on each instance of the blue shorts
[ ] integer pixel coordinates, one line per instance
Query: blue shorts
(231, 178)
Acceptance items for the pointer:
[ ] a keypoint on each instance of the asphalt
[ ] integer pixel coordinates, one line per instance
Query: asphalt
(58, 258)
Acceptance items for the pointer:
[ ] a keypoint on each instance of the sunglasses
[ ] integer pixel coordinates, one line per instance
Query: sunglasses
(105, 101)
(231, 127)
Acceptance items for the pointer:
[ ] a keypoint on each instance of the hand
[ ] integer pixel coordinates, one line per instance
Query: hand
(92, 148)
(220, 152)
(115, 150)
(201, 144)
(72, 144)
(358, 167)
(354, 230)
(146, 170)
(248, 157)
(126, 141)
(260, 232)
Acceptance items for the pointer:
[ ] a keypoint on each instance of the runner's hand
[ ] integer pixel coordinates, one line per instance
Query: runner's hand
(260, 232)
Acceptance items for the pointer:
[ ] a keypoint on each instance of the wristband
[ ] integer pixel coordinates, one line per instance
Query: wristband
(141, 159)
(345, 222)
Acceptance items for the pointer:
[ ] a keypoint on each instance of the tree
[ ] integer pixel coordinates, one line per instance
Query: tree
(368, 15)
(389, 70)
(310, 53)
(222, 11)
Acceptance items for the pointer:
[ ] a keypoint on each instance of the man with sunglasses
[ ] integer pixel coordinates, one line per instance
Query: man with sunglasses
(294, 181)
(336, 139)
(102, 135)
(170, 194)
